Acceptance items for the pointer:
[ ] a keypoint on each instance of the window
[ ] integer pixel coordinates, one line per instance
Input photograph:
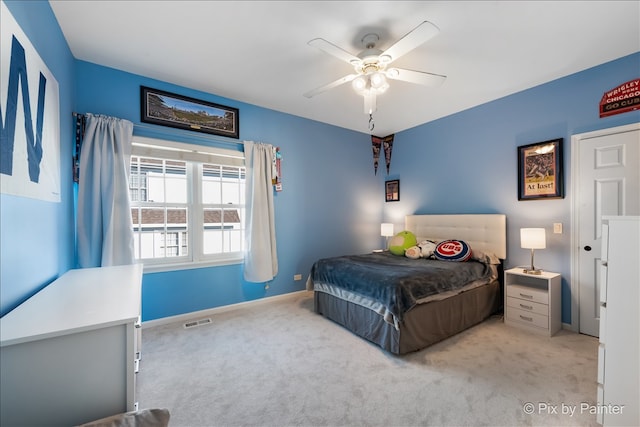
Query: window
(187, 204)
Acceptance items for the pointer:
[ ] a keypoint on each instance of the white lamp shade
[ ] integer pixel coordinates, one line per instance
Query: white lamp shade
(359, 83)
(386, 229)
(533, 238)
(377, 80)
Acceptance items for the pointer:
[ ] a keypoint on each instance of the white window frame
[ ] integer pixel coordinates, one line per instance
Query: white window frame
(195, 156)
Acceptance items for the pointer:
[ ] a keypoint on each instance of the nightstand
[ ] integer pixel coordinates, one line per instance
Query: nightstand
(532, 302)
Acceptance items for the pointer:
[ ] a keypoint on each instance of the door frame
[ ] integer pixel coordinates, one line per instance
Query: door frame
(575, 221)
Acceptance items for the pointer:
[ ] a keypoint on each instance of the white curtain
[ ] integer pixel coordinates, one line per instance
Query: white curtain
(105, 228)
(261, 260)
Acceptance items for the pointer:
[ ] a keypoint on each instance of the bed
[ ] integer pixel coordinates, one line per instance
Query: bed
(384, 298)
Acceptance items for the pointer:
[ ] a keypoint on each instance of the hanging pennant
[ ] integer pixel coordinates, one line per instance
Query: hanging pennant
(387, 145)
(276, 171)
(376, 144)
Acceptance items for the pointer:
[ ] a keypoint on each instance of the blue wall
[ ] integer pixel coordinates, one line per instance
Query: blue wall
(467, 162)
(37, 237)
(332, 202)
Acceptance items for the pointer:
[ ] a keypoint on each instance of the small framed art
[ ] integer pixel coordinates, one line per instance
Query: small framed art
(168, 109)
(540, 174)
(392, 190)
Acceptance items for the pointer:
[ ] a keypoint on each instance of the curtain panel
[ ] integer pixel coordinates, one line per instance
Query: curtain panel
(105, 227)
(261, 259)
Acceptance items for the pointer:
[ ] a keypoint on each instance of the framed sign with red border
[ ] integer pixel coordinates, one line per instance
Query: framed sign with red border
(621, 99)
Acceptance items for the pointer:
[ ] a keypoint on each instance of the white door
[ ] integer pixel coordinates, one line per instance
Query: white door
(607, 183)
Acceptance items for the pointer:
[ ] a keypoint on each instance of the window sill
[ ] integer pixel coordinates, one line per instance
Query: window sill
(160, 268)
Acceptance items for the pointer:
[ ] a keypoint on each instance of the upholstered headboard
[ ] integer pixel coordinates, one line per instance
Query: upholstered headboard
(485, 232)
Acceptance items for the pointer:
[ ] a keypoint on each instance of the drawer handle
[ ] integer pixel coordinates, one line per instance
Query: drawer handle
(526, 296)
(528, 307)
(528, 319)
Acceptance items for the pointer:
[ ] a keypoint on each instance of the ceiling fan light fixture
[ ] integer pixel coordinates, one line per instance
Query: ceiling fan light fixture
(393, 73)
(360, 84)
(382, 89)
(371, 74)
(378, 80)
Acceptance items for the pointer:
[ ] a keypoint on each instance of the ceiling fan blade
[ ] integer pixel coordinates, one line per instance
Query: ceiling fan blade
(412, 40)
(417, 77)
(331, 85)
(334, 50)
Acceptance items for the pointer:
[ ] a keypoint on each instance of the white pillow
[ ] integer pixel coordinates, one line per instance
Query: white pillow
(485, 257)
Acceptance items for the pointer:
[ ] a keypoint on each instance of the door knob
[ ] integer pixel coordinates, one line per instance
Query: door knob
(587, 248)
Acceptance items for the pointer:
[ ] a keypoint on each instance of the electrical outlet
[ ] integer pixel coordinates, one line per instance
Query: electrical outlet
(557, 227)
(297, 277)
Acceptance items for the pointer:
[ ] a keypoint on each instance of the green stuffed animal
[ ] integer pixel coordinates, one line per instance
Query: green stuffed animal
(401, 242)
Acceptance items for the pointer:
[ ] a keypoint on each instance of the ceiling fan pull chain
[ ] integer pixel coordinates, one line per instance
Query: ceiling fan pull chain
(371, 124)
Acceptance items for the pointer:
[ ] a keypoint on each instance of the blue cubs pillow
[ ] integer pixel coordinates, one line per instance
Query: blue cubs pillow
(453, 250)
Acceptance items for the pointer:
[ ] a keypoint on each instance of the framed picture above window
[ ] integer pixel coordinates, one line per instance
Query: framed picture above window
(168, 109)
(540, 174)
(392, 190)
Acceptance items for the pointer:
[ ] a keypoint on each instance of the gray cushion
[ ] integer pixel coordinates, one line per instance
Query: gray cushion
(142, 418)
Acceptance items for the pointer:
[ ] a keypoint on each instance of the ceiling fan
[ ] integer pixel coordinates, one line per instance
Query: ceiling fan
(372, 65)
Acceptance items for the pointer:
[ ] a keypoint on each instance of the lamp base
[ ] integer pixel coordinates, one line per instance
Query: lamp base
(532, 271)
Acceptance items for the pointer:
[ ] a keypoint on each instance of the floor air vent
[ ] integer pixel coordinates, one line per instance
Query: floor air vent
(196, 323)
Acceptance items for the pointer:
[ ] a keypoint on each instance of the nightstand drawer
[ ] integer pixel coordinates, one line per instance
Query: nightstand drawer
(529, 306)
(528, 318)
(528, 293)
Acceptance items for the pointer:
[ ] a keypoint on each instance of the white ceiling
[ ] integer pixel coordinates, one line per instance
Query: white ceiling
(256, 51)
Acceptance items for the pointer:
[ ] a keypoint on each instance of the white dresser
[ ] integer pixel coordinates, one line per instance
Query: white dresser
(68, 354)
(618, 354)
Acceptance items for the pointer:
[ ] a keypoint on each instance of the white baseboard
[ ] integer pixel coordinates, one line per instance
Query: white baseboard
(217, 310)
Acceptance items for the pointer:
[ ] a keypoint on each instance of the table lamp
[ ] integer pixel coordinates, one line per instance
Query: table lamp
(532, 238)
(386, 230)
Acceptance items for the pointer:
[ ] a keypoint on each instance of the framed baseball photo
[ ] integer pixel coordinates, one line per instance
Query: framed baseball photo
(540, 174)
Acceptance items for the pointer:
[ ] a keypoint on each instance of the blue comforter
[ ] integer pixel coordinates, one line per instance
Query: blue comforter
(396, 282)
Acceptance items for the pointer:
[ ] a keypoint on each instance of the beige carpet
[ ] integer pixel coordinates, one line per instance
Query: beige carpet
(280, 364)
